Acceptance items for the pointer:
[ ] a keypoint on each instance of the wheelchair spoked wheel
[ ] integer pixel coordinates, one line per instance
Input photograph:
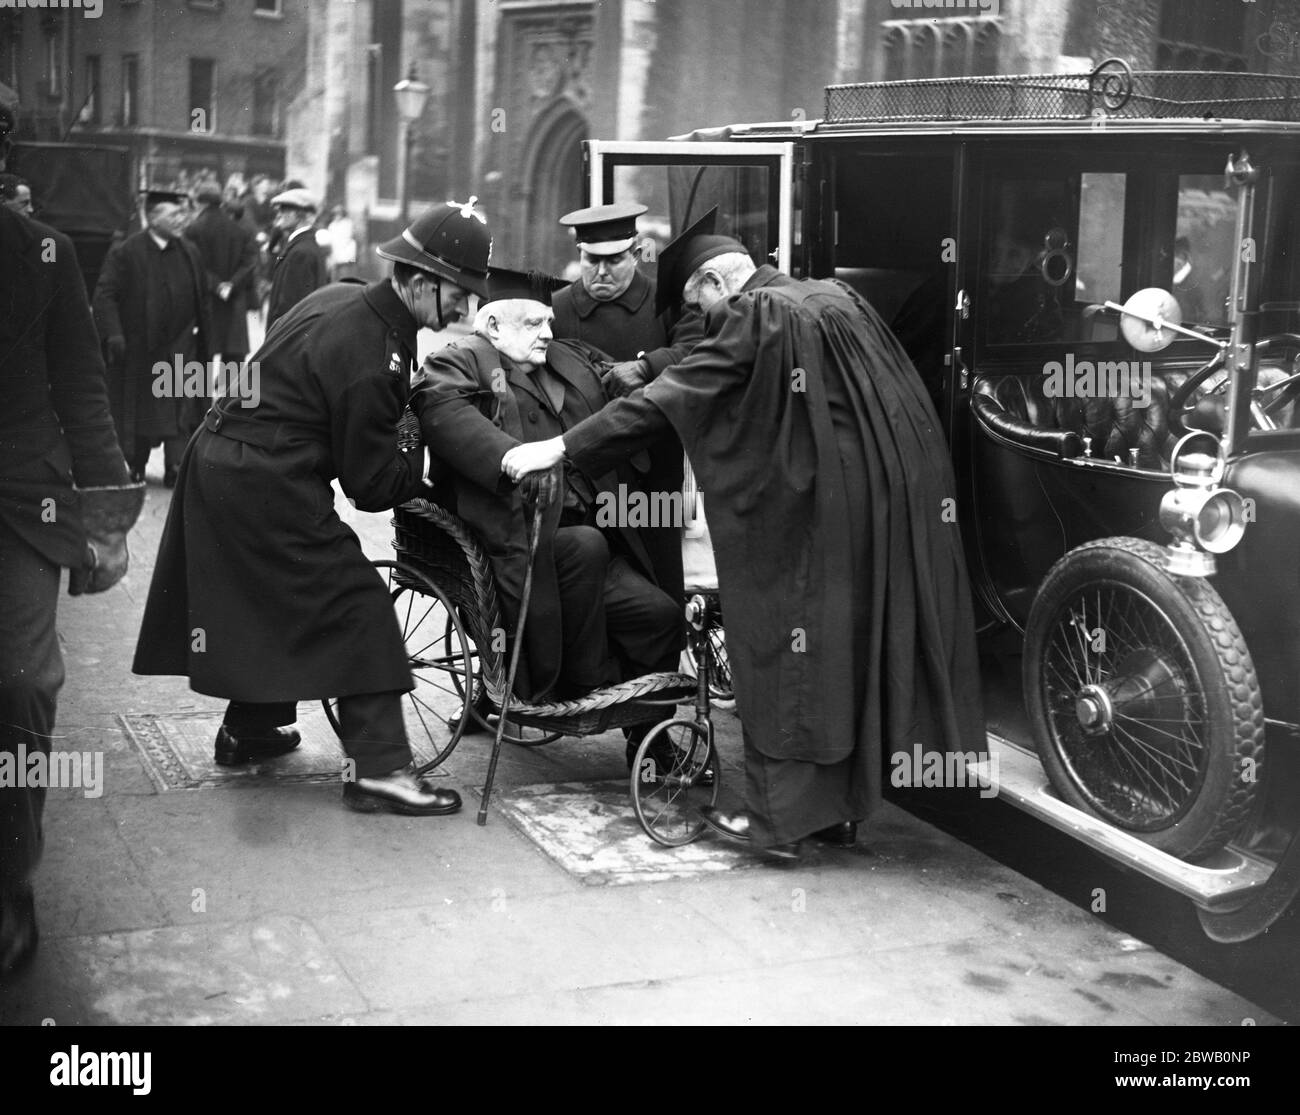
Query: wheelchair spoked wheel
(439, 654)
(720, 687)
(664, 782)
(481, 708)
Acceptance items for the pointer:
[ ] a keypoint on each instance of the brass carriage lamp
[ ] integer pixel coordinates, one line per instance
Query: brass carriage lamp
(1204, 518)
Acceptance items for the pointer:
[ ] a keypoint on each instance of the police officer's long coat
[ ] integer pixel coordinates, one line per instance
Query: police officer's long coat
(261, 593)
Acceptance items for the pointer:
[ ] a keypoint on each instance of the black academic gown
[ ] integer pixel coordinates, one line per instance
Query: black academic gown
(260, 593)
(627, 328)
(843, 583)
(156, 299)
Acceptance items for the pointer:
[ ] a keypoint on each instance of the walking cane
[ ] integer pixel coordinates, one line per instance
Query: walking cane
(533, 541)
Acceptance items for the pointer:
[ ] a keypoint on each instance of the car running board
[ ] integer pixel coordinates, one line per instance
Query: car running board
(1222, 882)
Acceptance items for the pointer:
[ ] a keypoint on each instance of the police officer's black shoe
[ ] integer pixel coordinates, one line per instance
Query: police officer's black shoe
(843, 835)
(399, 791)
(251, 745)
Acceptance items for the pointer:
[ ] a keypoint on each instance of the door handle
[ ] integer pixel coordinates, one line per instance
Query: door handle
(959, 360)
(963, 305)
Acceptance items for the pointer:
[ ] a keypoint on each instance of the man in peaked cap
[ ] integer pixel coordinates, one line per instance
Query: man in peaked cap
(849, 619)
(617, 309)
(151, 304)
(596, 615)
(300, 267)
(261, 595)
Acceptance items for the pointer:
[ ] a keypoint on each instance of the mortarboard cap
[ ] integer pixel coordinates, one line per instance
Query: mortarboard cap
(605, 229)
(537, 286)
(679, 261)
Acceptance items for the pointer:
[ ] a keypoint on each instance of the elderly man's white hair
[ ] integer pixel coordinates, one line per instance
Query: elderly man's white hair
(733, 268)
(505, 310)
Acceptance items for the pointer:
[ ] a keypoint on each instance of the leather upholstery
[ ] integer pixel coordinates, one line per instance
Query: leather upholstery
(1015, 406)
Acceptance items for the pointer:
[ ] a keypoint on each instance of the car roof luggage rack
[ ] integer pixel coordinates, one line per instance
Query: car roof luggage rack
(1112, 90)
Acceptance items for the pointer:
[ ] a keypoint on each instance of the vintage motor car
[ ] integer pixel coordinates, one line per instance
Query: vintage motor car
(1096, 276)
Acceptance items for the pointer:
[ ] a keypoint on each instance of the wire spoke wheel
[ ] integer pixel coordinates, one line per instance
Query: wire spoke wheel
(438, 652)
(484, 712)
(1143, 697)
(666, 781)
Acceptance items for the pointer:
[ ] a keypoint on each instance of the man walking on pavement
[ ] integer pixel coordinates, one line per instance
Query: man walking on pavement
(261, 594)
(65, 500)
(299, 268)
(849, 620)
(229, 256)
(152, 309)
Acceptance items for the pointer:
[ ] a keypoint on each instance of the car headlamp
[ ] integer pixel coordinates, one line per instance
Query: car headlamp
(1204, 518)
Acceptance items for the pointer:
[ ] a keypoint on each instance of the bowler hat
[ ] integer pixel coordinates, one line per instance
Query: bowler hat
(450, 240)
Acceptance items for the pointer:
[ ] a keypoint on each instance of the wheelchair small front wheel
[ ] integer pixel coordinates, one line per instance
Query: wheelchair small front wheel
(669, 784)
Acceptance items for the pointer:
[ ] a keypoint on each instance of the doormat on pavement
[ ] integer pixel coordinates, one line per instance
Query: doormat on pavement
(590, 829)
(177, 751)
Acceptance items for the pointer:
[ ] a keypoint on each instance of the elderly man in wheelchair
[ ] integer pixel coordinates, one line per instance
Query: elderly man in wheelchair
(596, 614)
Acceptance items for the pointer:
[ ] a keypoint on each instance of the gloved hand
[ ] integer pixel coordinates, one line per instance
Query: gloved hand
(108, 515)
(116, 349)
(541, 489)
(622, 379)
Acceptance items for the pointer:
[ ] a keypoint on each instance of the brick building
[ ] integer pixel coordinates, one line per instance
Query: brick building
(193, 88)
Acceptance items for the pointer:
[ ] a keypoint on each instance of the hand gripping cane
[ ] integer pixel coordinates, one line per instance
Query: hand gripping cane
(548, 490)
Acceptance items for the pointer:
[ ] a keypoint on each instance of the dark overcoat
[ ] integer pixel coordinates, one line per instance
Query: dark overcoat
(469, 418)
(298, 271)
(55, 425)
(261, 593)
(627, 328)
(844, 589)
(127, 305)
(229, 255)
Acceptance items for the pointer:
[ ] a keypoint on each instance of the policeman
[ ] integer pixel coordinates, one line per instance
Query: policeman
(261, 595)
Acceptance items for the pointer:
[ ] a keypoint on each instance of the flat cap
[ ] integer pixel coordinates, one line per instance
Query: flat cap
(605, 229)
(296, 199)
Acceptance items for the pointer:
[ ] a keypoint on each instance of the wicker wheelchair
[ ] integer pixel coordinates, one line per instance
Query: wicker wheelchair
(448, 609)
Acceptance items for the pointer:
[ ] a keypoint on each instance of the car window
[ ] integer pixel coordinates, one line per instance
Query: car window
(1202, 251)
(1054, 253)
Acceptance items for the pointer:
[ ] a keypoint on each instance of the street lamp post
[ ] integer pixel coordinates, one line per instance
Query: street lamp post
(411, 94)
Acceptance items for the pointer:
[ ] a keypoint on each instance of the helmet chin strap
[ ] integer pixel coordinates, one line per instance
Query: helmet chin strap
(437, 303)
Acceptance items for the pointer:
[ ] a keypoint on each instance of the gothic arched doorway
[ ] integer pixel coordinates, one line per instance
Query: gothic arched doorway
(554, 185)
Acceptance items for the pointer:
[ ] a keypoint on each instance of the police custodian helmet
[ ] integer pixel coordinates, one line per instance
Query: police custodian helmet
(450, 240)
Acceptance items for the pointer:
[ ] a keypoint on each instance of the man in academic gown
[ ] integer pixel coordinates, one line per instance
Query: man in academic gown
(841, 572)
(261, 594)
(300, 267)
(151, 305)
(596, 615)
(612, 306)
